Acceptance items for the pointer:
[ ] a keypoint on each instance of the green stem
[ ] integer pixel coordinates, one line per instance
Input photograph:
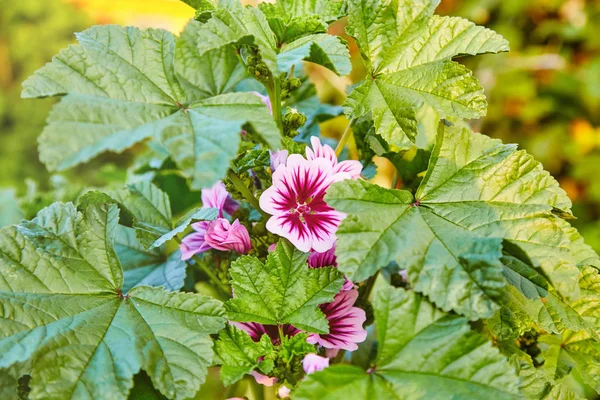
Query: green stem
(345, 136)
(275, 97)
(211, 275)
(248, 195)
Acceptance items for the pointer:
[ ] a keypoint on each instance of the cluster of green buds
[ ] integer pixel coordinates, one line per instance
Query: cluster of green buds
(292, 120)
(257, 67)
(288, 85)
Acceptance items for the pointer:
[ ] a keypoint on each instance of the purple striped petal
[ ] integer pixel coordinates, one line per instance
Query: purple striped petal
(345, 323)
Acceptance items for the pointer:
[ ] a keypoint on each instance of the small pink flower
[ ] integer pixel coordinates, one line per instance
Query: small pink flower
(284, 392)
(256, 330)
(351, 167)
(221, 235)
(278, 158)
(313, 363)
(345, 323)
(218, 197)
(194, 243)
(327, 259)
(263, 379)
(296, 203)
(272, 247)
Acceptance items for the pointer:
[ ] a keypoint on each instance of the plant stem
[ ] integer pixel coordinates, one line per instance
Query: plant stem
(248, 195)
(211, 275)
(275, 97)
(345, 136)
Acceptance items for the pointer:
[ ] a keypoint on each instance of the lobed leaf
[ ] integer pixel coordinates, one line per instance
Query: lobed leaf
(475, 187)
(283, 290)
(408, 51)
(63, 312)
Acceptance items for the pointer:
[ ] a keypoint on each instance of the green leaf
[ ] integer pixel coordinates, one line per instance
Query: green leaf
(205, 138)
(63, 310)
(535, 299)
(423, 353)
(239, 354)
(296, 27)
(323, 49)
(121, 84)
(475, 187)
(150, 208)
(197, 214)
(562, 354)
(213, 73)
(343, 381)
(408, 53)
(287, 10)
(239, 25)
(284, 290)
(147, 267)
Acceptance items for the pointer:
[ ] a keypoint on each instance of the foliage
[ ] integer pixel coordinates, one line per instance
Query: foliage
(473, 279)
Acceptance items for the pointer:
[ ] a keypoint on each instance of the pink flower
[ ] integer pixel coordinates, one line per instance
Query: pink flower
(345, 323)
(214, 197)
(296, 203)
(263, 379)
(351, 167)
(218, 197)
(194, 243)
(278, 158)
(284, 392)
(221, 235)
(313, 363)
(256, 330)
(327, 259)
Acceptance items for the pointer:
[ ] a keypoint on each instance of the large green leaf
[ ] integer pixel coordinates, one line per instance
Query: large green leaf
(121, 83)
(408, 53)
(63, 310)
(239, 355)
(423, 353)
(475, 187)
(283, 290)
(147, 267)
(210, 74)
(205, 138)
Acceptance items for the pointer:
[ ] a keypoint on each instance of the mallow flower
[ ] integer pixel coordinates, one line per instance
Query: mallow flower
(313, 363)
(221, 235)
(214, 197)
(296, 198)
(345, 323)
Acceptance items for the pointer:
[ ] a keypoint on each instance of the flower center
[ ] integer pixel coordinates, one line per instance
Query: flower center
(302, 209)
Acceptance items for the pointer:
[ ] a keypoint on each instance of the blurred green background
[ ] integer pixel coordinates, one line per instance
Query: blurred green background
(543, 95)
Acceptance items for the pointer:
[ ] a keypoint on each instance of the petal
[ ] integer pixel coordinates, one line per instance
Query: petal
(290, 227)
(351, 167)
(215, 196)
(263, 379)
(320, 151)
(192, 244)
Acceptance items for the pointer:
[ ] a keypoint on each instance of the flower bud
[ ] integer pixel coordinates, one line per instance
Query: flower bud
(221, 235)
